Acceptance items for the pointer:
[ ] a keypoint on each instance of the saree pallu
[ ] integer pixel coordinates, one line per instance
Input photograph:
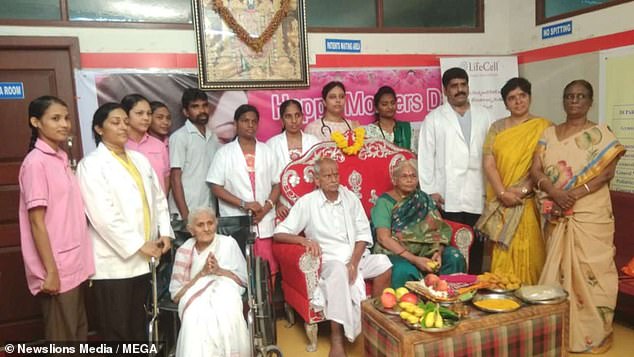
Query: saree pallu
(580, 247)
(415, 223)
(417, 226)
(519, 248)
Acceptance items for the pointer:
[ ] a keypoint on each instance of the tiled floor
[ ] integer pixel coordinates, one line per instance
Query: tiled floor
(292, 341)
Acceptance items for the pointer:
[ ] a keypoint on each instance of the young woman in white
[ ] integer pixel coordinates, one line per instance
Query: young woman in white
(291, 143)
(244, 176)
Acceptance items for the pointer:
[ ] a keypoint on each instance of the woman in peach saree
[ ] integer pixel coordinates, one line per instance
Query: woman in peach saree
(573, 164)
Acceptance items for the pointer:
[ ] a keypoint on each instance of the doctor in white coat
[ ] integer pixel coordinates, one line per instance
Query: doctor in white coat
(450, 155)
(129, 223)
(244, 176)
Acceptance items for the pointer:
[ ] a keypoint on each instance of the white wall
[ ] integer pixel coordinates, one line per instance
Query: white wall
(509, 28)
(526, 36)
(492, 41)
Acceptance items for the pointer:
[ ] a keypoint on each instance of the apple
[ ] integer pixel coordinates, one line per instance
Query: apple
(431, 279)
(388, 300)
(410, 297)
(400, 292)
(389, 290)
(441, 285)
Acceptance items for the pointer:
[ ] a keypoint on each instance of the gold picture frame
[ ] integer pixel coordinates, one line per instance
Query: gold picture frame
(228, 56)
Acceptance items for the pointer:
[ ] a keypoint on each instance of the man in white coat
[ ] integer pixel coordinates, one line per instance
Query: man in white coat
(337, 228)
(450, 156)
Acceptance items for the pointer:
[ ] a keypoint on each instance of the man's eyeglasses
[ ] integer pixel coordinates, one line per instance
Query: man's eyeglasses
(572, 96)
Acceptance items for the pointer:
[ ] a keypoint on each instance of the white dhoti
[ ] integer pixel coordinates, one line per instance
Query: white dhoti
(340, 300)
(212, 320)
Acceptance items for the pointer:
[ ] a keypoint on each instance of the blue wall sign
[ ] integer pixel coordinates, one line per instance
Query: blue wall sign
(560, 29)
(11, 90)
(336, 45)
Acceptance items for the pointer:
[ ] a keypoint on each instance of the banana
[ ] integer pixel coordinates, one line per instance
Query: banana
(429, 319)
(438, 323)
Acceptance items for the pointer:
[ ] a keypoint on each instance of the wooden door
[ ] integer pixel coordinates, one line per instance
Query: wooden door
(45, 67)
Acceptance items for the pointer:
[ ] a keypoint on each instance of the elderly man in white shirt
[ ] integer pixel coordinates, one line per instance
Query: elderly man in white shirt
(337, 228)
(450, 156)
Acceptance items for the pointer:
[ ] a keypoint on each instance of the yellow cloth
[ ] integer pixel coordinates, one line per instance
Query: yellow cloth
(580, 247)
(136, 176)
(513, 150)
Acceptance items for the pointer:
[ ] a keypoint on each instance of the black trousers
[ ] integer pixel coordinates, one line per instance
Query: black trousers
(120, 308)
(476, 253)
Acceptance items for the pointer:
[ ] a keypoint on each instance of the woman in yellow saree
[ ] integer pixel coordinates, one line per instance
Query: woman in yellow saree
(510, 217)
(573, 164)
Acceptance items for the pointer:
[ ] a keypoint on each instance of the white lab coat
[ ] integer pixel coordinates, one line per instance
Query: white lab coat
(279, 146)
(114, 209)
(447, 165)
(229, 169)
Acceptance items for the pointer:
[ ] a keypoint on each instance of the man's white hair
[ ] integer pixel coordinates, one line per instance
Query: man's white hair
(319, 162)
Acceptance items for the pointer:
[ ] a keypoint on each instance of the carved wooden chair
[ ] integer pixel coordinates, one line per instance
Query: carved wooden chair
(367, 174)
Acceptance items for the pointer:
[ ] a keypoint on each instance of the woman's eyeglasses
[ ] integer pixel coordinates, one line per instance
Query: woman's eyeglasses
(572, 96)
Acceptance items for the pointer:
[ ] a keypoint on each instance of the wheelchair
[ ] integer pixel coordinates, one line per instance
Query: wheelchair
(259, 298)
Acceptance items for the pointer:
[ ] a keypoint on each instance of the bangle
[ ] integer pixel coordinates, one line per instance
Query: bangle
(402, 251)
(243, 204)
(539, 182)
(270, 201)
(586, 186)
(501, 193)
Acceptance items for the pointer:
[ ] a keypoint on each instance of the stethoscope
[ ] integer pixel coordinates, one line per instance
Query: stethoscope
(324, 127)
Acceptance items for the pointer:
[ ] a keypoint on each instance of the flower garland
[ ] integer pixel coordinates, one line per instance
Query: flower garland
(350, 143)
(257, 43)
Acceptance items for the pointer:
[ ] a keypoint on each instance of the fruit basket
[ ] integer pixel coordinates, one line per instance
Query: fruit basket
(428, 293)
(395, 310)
(429, 317)
(447, 326)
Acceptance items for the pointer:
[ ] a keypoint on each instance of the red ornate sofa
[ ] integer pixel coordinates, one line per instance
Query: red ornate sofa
(368, 175)
(624, 226)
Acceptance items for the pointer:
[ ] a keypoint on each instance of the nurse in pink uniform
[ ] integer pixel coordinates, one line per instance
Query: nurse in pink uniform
(56, 249)
(139, 112)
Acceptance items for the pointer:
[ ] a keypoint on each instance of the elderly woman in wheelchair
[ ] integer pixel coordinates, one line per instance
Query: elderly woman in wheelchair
(208, 280)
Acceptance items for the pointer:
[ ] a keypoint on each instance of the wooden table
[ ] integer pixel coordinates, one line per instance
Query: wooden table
(533, 330)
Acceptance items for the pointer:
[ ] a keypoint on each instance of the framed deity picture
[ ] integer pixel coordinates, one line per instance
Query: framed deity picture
(251, 44)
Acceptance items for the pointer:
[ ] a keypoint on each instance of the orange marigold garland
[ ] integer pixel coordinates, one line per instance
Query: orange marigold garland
(350, 143)
(257, 43)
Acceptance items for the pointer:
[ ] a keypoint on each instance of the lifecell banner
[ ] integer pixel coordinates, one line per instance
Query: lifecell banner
(418, 92)
(487, 76)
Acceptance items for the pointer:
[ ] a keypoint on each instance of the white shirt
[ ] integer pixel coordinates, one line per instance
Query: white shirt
(114, 208)
(450, 165)
(193, 152)
(229, 169)
(279, 146)
(336, 226)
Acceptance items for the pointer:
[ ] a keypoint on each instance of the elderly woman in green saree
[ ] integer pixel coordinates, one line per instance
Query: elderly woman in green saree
(410, 230)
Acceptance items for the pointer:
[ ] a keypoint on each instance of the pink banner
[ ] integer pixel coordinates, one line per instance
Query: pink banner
(418, 92)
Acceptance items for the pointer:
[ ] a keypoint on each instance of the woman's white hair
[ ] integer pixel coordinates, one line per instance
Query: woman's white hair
(396, 171)
(193, 214)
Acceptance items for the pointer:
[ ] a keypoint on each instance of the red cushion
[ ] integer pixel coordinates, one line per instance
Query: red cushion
(367, 174)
